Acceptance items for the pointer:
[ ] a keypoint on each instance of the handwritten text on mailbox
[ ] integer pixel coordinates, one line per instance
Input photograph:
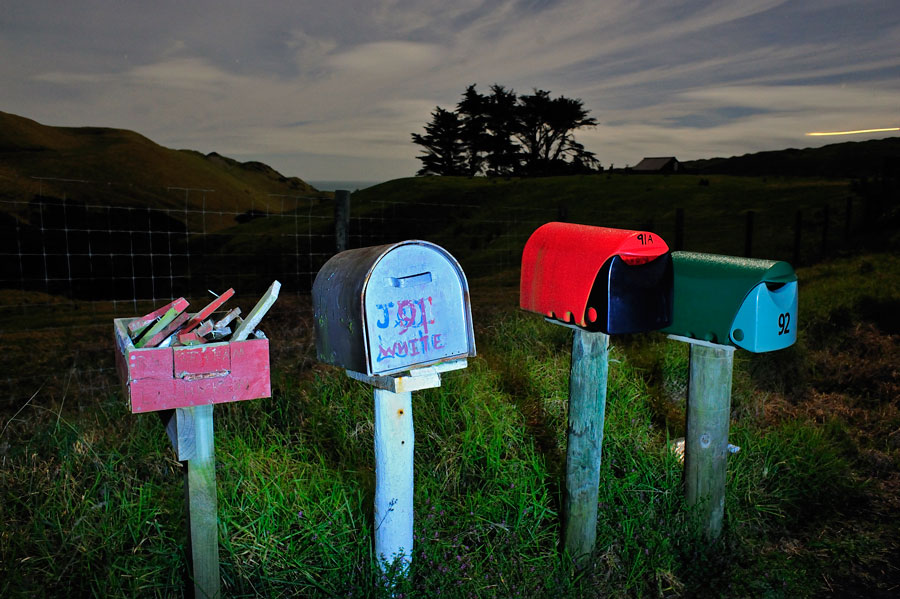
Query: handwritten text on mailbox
(410, 319)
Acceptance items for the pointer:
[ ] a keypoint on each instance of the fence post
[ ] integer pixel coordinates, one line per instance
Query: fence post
(679, 228)
(587, 409)
(848, 224)
(748, 234)
(798, 225)
(825, 217)
(341, 218)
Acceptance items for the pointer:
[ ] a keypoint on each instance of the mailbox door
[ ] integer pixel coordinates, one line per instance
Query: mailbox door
(416, 310)
(631, 298)
(767, 318)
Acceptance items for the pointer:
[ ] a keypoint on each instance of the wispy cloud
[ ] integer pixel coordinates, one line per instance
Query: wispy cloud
(339, 79)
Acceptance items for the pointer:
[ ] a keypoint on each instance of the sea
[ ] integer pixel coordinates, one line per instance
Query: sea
(333, 185)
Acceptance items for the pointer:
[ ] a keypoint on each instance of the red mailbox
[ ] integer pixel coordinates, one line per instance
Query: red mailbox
(597, 278)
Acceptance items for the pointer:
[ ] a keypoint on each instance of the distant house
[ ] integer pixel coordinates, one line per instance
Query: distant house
(665, 164)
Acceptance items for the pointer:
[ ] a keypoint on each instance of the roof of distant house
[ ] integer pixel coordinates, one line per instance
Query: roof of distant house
(654, 164)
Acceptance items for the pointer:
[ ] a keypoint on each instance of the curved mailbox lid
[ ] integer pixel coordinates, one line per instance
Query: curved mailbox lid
(717, 296)
(385, 309)
(561, 263)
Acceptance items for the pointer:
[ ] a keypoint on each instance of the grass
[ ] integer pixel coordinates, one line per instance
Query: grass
(92, 499)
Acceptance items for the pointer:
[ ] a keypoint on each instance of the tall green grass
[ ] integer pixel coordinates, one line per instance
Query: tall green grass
(91, 496)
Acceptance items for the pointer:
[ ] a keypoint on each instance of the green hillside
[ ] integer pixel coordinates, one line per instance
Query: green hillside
(106, 166)
(854, 159)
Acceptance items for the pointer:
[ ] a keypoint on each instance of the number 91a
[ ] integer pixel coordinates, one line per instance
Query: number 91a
(784, 323)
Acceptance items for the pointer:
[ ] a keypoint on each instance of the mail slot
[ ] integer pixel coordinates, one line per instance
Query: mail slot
(386, 309)
(597, 278)
(746, 302)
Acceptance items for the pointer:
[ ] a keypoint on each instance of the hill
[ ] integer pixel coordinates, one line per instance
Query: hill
(123, 168)
(848, 160)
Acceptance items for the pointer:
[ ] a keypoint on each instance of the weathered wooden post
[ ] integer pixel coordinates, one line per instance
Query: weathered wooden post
(167, 367)
(395, 317)
(587, 411)
(723, 302)
(706, 441)
(748, 233)
(597, 281)
(341, 219)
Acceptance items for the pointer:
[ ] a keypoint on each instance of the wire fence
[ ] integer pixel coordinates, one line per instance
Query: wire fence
(77, 254)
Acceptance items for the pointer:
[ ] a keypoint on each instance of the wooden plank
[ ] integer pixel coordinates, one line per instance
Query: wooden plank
(209, 358)
(394, 440)
(153, 338)
(256, 314)
(150, 364)
(250, 369)
(207, 311)
(226, 320)
(587, 409)
(138, 325)
(706, 438)
(195, 435)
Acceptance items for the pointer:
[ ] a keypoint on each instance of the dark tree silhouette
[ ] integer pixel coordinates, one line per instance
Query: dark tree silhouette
(505, 134)
(444, 149)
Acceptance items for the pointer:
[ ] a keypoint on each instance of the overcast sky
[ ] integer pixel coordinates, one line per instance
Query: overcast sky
(332, 89)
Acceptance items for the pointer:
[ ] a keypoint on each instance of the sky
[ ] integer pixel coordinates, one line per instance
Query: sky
(332, 89)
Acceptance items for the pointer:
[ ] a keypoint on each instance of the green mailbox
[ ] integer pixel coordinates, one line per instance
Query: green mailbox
(746, 302)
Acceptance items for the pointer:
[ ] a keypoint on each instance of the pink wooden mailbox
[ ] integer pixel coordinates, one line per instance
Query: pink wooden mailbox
(180, 377)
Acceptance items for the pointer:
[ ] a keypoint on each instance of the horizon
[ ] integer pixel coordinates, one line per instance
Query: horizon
(331, 91)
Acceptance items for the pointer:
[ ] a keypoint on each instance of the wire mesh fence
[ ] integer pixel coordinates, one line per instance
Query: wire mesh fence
(76, 254)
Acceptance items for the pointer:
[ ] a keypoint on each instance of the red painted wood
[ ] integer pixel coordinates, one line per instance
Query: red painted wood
(150, 364)
(211, 357)
(561, 261)
(150, 395)
(180, 305)
(208, 310)
(168, 330)
(165, 378)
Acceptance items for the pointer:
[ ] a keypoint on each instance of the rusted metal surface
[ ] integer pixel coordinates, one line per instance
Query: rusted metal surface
(597, 278)
(386, 309)
(175, 377)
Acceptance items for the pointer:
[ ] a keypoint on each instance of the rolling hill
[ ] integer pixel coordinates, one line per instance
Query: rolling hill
(117, 167)
(848, 160)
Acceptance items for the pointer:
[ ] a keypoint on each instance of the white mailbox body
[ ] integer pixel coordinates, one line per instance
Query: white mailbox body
(388, 309)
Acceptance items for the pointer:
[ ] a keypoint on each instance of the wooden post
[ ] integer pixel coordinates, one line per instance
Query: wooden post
(679, 229)
(341, 218)
(587, 407)
(798, 225)
(394, 439)
(848, 219)
(825, 219)
(748, 234)
(193, 430)
(706, 438)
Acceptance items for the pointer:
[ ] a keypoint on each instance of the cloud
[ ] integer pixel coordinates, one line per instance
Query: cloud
(336, 78)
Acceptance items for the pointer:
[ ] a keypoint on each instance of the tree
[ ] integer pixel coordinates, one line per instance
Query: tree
(444, 149)
(503, 134)
(545, 128)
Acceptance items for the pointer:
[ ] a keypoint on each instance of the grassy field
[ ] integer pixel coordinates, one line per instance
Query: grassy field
(92, 499)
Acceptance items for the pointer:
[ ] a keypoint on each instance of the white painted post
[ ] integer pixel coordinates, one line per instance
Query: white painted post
(394, 439)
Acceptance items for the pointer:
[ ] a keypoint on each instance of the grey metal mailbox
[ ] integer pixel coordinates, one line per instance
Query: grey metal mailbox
(386, 309)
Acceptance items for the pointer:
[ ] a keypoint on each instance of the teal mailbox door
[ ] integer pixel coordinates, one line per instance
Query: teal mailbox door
(746, 302)
(767, 318)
